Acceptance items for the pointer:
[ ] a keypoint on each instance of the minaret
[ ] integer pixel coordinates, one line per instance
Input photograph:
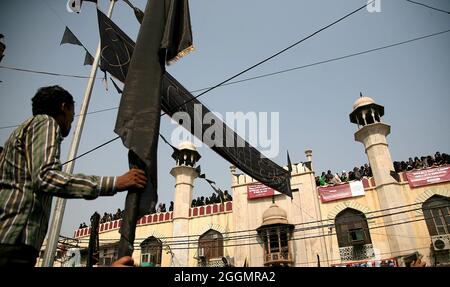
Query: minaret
(372, 134)
(184, 172)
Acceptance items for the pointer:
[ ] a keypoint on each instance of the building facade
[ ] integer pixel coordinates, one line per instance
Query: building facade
(377, 221)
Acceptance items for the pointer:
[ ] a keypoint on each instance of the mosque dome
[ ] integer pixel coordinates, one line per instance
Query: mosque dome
(187, 145)
(363, 101)
(274, 215)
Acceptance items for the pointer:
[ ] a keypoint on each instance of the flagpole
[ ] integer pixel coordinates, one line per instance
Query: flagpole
(60, 205)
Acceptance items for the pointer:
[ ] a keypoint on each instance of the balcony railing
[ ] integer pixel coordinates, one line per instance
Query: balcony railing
(276, 258)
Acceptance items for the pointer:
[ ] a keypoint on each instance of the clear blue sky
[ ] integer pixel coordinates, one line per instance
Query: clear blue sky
(410, 80)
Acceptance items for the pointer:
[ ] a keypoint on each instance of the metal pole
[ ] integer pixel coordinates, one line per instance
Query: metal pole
(58, 212)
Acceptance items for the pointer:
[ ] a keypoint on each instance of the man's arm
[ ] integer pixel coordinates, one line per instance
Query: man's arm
(43, 151)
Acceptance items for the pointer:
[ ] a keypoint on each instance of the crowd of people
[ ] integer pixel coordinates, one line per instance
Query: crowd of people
(162, 207)
(399, 166)
(424, 162)
(119, 214)
(221, 197)
(356, 174)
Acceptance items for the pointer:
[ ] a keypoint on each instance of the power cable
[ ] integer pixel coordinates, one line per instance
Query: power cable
(47, 73)
(274, 55)
(246, 79)
(242, 72)
(329, 60)
(252, 236)
(326, 220)
(194, 244)
(433, 8)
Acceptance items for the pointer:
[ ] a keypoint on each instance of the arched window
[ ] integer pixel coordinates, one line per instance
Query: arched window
(352, 228)
(210, 245)
(436, 211)
(151, 250)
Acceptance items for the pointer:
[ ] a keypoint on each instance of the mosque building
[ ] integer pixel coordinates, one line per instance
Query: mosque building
(379, 220)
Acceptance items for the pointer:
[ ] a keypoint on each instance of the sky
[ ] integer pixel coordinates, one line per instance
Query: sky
(312, 103)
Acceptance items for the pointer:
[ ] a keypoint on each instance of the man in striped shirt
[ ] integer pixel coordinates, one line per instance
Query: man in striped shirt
(30, 175)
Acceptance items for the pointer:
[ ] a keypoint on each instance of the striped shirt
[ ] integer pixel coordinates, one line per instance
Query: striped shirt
(30, 175)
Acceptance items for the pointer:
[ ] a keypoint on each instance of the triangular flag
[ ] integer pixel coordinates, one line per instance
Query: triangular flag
(289, 162)
(88, 59)
(70, 38)
(210, 181)
(137, 12)
(119, 90)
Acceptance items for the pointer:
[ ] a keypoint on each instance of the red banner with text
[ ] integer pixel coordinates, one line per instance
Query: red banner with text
(340, 191)
(260, 190)
(428, 176)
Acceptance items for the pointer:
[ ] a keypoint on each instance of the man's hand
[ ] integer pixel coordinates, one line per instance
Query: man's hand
(126, 261)
(134, 178)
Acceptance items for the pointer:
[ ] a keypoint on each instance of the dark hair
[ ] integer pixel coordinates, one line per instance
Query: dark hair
(48, 100)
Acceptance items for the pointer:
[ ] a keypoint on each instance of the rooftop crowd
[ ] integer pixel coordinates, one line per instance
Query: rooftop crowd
(423, 162)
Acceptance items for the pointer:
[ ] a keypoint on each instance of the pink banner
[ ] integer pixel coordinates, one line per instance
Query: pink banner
(428, 176)
(340, 191)
(335, 192)
(260, 190)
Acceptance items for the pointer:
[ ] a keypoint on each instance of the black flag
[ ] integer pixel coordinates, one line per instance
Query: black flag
(69, 38)
(119, 90)
(2, 46)
(289, 164)
(140, 107)
(116, 48)
(174, 95)
(139, 113)
(88, 59)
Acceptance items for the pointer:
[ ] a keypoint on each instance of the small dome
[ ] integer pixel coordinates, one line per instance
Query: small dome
(187, 145)
(274, 215)
(362, 101)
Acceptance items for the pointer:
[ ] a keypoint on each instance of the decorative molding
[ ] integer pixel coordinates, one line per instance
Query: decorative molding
(158, 235)
(347, 204)
(427, 194)
(216, 227)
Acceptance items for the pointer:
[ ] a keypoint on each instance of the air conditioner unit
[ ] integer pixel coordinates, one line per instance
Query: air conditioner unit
(441, 242)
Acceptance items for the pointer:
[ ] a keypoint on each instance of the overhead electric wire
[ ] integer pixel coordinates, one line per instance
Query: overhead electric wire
(255, 236)
(318, 221)
(275, 55)
(259, 76)
(47, 73)
(329, 60)
(244, 71)
(88, 113)
(430, 7)
(255, 77)
(226, 82)
(315, 221)
(194, 244)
